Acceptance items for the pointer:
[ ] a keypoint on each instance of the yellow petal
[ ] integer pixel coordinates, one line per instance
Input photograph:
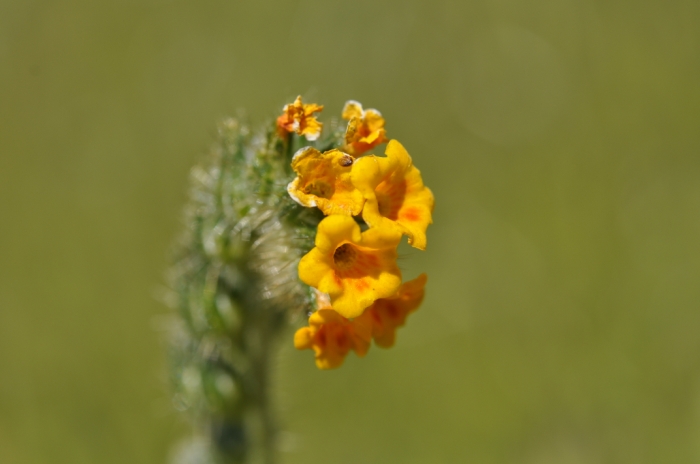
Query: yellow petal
(336, 229)
(415, 214)
(303, 338)
(382, 238)
(371, 140)
(311, 108)
(374, 120)
(314, 269)
(352, 109)
(368, 171)
(330, 360)
(311, 129)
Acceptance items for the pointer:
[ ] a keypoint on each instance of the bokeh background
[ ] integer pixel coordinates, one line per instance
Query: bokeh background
(560, 137)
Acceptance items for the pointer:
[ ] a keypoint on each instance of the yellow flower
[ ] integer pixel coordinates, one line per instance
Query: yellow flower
(365, 128)
(394, 193)
(299, 118)
(390, 313)
(354, 268)
(323, 180)
(332, 336)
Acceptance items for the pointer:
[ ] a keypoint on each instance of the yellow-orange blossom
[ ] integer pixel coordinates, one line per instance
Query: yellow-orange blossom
(298, 117)
(395, 197)
(365, 128)
(332, 336)
(323, 180)
(354, 268)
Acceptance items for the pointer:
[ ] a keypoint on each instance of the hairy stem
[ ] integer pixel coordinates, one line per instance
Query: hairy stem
(235, 287)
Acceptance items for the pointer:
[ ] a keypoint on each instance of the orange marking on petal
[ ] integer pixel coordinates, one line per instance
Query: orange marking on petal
(371, 260)
(411, 214)
(392, 311)
(322, 338)
(341, 340)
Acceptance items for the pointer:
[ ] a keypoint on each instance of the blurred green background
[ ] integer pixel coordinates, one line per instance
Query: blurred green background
(560, 137)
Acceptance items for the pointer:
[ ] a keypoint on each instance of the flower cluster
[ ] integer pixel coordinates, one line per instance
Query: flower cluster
(370, 202)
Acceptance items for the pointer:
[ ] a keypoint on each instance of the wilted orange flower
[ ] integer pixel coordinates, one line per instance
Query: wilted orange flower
(332, 336)
(394, 193)
(299, 118)
(390, 313)
(323, 180)
(354, 268)
(365, 128)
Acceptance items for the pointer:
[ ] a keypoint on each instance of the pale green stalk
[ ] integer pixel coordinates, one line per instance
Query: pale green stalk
(236, 286)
